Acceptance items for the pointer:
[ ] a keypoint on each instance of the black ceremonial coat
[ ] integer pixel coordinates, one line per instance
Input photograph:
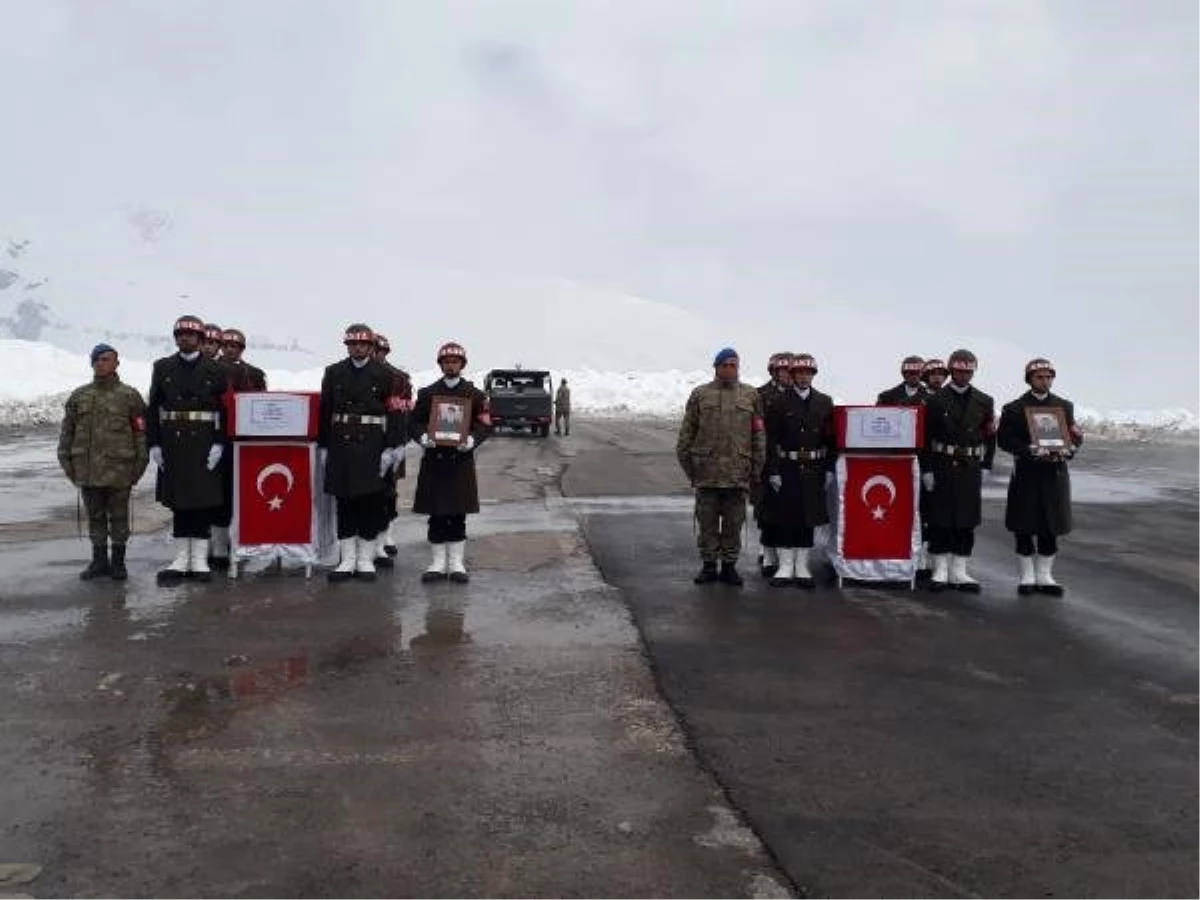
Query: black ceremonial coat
(354, 448)
(1039, 491)
(176, 385)
(446, 482)
(966, 420)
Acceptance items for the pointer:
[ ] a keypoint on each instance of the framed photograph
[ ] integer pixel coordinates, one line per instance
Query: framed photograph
(1048, 427)
(449, 420)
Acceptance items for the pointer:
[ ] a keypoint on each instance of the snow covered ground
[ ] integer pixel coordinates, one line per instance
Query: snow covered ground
(39, 376)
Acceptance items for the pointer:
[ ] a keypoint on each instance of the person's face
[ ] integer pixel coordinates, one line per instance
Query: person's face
(803, 378)
(359, 350)
(187, 341)
(935, 379)
(451, 366)
(210, 347)
(961, 377)
(1040, 382)
(728, 370)
(912, 379)
(105, 364)
(784, 377)
(231, 350)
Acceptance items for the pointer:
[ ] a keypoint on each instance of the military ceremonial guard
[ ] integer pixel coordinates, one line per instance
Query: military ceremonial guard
(401, 390)
(187, 442)
(721, 448)
(934, 374)
(800, 456)
(960, 443)
(360, 433)
(447, 489)
(912, 391)
(1039, 490)
(779, 370)
(102, 450)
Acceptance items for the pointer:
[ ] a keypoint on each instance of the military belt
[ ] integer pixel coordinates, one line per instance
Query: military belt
(800, 454)
(355, 419)
(974, 451)
(188, 415)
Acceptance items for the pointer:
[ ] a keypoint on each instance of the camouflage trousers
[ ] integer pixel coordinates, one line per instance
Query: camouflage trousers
(720, 515)
(107, 513)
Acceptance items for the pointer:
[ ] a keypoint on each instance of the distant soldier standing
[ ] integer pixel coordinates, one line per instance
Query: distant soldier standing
(800, 457)
(447, 488)
(242, 376)
(102, 450)
(779, 368)
(562, 408)
(912, 391)
(385, 543)
(210, 344)
(359, 430)
(960, 443)
(1039, 491)
(187, 442)
(934, 373)
(721, 449)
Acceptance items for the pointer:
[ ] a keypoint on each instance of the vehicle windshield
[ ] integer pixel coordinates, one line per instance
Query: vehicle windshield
(519, 382)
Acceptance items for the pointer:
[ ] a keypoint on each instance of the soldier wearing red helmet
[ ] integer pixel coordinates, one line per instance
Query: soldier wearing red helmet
(360, 434)
(912, 391)
(801, 453)
(385, 543)
(934, 373)
(779, 367)
(447, 488)
(960, 443)
(1039, 491)
(210, 344)
(187, 443)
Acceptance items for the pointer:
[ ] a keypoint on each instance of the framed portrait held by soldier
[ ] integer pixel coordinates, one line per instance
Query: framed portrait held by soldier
(1047, 427)
(449, 420)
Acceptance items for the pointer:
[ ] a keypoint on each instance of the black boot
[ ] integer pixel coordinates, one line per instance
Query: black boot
(119, 572)
(729, 574)
(99, 564)
(707, 573)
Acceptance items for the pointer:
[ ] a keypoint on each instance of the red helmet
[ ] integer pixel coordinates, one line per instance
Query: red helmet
(935, 365)
(358, 333)
(804, 361)
(1038, 365)
(382, 343)
(213, 333)
(778, 360)
(233, 336)
(188, 324)
(912, 365)
(452, 349)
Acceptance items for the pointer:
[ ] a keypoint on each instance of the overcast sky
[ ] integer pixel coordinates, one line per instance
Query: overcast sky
(1005, 169)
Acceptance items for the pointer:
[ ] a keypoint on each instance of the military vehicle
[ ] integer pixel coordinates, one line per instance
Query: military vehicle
(520, 398)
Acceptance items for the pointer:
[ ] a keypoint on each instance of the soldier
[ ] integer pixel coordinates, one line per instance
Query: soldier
(960, 443)
(187, 443)
(801, 453)
(779, 368)
(240, 376)
(447, 489)
(102, 450)
(210, 344)
(1039, 491)
(934, 373)
(562, 408)
(359, 434)
(721, 448)
(911, 391)
(385, 542)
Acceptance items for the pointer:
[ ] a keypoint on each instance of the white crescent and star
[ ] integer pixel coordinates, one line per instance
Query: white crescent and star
(276, 502)
(878, 513)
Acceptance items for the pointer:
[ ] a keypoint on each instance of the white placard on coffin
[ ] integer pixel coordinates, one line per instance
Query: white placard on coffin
(273, 414)
(880, 428)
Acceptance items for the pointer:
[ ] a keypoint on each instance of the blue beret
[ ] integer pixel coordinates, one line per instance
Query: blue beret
(101, 348)
(724, 355)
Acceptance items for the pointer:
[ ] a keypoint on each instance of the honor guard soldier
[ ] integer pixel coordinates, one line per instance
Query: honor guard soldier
(1039, 491)
(801, 453)
(447, 488)
(912, 391)
(385, 542)
(720, 449)
(102, 450)
(779, 368)
(960, 443)
(187, 443)
(934, 373)
(210, 344)
(359, 432)
(242, 376)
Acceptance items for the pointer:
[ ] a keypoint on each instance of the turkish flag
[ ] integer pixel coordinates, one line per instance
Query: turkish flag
(879, 507)
(274, 501)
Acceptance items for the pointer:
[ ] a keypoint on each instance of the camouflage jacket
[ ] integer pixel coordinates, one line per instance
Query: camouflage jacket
(102, 442)
(721, 441)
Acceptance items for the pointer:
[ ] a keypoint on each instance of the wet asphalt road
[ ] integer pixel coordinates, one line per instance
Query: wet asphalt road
(277, 737)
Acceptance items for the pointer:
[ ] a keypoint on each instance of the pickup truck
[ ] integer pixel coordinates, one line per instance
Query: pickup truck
(520, 398)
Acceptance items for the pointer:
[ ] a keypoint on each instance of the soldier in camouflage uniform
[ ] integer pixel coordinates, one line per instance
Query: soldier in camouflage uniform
(102, 450)
(722, 448)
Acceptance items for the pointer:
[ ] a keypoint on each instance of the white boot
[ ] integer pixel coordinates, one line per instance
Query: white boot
(1027, 581)
(348, 547)
(785, 558)
(959, 577)
(941, 571)
(924, 563)
(220, 542)
(199, 559)
(1045, 577)
(437, 566)
(770, 558)
(804, 577)
(364, 559)
(456, 552)
(389, 538)
(180, 564)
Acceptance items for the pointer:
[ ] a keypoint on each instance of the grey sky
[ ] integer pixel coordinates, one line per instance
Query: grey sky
(990, 168)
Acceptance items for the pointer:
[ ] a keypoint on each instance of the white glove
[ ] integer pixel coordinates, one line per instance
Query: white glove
(426, 441)
(775, 481)
(828, 479)
(927, 480)
(386, 461)
(322, 456)
(468, 445)
(156, 456)
(215, 452)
